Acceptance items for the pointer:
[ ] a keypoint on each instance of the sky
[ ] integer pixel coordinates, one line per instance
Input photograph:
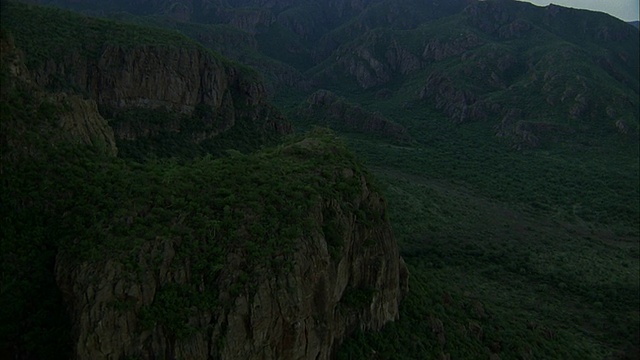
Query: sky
(626, 10)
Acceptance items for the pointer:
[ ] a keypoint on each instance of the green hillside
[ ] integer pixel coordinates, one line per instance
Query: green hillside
(513, 194)
(67, 204)
(525, 255)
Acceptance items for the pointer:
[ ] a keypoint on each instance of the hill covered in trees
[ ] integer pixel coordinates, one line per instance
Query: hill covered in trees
(504, 137)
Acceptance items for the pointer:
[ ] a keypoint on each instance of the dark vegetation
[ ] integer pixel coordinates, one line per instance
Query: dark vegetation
(71, 199)
(527, 254)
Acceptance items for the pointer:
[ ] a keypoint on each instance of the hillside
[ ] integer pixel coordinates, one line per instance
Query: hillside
(538, 73)
(194, 249)
(504, 137)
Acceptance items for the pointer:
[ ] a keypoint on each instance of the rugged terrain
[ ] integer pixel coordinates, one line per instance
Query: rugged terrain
(503, 135)
(534, 73)
(278, 254)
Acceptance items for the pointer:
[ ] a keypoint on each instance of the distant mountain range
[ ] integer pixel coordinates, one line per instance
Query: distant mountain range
(535, 72)
(636, 23)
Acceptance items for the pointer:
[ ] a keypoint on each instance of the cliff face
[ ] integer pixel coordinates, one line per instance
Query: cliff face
(279, 254)
(150, 85)
(143, 76)
(343, 274)
(171, 79)
(71, 118)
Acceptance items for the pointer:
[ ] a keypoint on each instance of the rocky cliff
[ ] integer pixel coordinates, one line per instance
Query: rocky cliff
(278, 254)
(298, 300)
(71, 118)
(494, 60)
(173, 79)
(150, 85)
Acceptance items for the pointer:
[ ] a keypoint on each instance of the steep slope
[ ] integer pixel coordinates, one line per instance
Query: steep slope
(298, 33)
(78, 117)
(283, 254)
(514, 254)
(506, 60)
(155, 88)
(279, 254)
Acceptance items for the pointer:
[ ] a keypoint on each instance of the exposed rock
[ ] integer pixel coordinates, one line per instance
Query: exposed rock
(400, 59)
(77, 117)
(459, 104)
(371, 67)
(12, 59)
(527, 133)
(438, 49)
(165, 79)
(176, 79)
(365, 67)
(301, 310)
(82, 121)
(622, 127)
(488, 16)
(249, 19)
(580, 106)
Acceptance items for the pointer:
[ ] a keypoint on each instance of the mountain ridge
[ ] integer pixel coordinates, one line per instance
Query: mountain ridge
(144, 246)
(376, 43)
(525, 253)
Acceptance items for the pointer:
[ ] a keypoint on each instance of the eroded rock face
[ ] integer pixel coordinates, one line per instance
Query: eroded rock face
(77, 117)
(305, 313)
(171, 79)
(332, 283)
(83, 122)
(438, 50)
(177, 79)
(461, 105)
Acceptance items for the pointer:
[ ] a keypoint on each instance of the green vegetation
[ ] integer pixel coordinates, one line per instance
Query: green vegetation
(48, 33)
(64, 199)
(527, 254)
(44, 40)
(74, 200)
(245, 135)
(559, 74)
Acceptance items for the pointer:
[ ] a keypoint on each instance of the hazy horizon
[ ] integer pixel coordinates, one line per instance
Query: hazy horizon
(626, 10)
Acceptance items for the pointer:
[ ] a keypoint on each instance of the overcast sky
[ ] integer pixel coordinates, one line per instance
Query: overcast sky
(626, 10)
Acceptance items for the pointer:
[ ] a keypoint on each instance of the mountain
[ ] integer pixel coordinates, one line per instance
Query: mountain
(635, 24)
(504, 137)
(278, 253)
(136, 73)
(505, 60)
(540, 72)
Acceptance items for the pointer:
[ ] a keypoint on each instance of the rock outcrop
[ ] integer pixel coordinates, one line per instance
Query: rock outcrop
(71, 118)
(82, 121)
(460, 105)
(150, 85)
(173, 80)
(343, 274)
